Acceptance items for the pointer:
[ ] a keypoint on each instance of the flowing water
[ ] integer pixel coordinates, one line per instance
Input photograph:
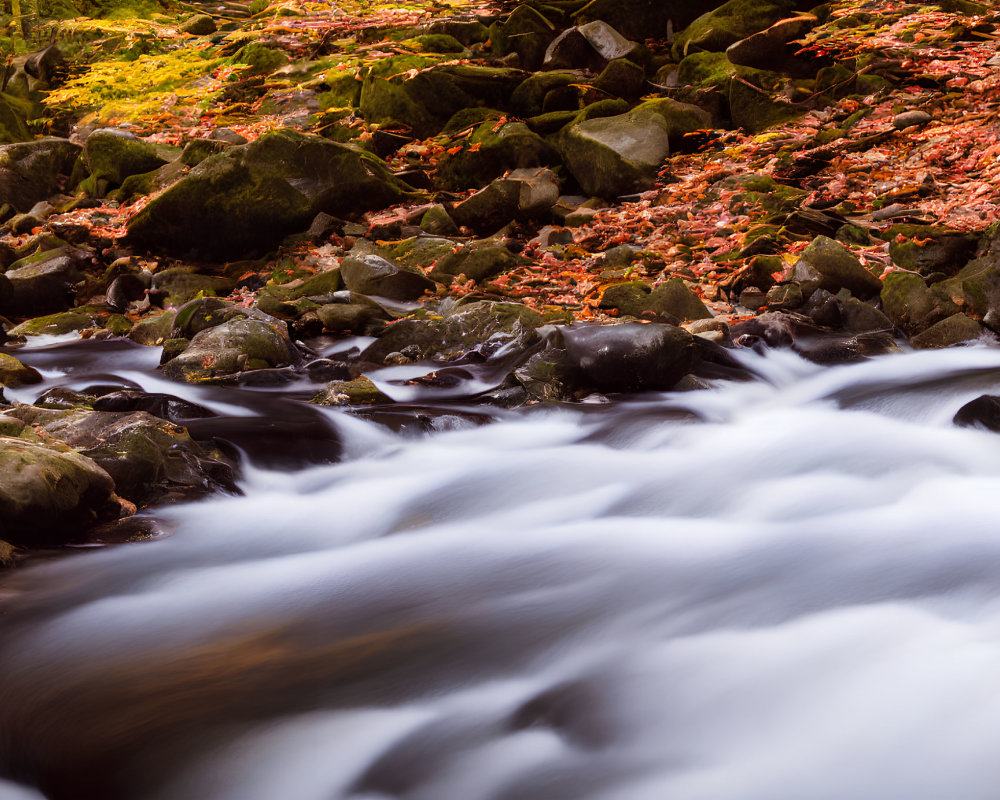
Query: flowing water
(782, 588)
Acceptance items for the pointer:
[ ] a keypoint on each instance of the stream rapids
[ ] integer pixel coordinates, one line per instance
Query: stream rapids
(784, 588)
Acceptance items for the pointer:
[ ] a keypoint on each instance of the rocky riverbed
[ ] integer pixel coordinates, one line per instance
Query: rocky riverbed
(493, 207)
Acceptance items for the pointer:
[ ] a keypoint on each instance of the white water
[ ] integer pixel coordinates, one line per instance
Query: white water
(797, 598)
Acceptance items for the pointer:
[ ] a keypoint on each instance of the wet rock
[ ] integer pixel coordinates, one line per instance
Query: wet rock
(483, 327)
(149, 459)
(113, 155)
(198, 25)
(49, 496)
(280, 300)
(956, 329)
(860, 317)
(361, 316)
(928, 248)
(910, 305)
(77, 319)
(727, 24)
(358, 392)
(44, 283)
(784, 296)
(974, 289)
(249, 197)
(628, 357)
(983, 412)
(836, 267)
(13, 373)
(178, 285)
(34, 171)
(236, 346)
(908, 119)
(153, 330)
(591, 45)
(372, 274)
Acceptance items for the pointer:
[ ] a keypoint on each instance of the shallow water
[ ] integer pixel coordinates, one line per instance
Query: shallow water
(786, 588)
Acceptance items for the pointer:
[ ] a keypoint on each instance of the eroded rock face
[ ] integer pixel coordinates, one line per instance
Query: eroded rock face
(48, 496)
(247, 198)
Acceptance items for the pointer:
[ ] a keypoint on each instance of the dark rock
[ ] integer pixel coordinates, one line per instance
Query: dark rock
(731, 21)
(489, 209)
(784, 296)
(44, 283)
(672, 300)
(178, 285)
(149, 459)
(983, 412)
(50, 495)
(477, 261)
(197, 150)
(490, 152)
(929, 248)
(589, 46)
(13, 373)
(34, 171)
(621, 78)
(239, 345)
(956, 329)
(860, 317)
(113, 155)
(768, 49)
(644, 19)
(836, 268)
(526, 32)
(372, 274)
(249, 197)
(628, 357)
(48, 65)
(910, 118)
(910, 305)
(437, 222)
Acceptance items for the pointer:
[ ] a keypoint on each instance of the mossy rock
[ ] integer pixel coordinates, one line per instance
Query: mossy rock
(930, 248)
(183, 284)
(621, 78)
(644, 19)
(153, 331)
(478, 261)
(976, 286)
(727, 24)
(951, 331)
(488, 153)
(435, 43)
(420, 251)
(344, 91)
(13, 373)
(34, 171)
(910, 305)
(13, 119)
(528, 98)
(481, 324)
(248, 198)
(47, 495)
(239, 345)
(198, 25)
(113, 155)
(672, 300)
(358, 392)
(77, 319)
(263, 60)
(526, 32)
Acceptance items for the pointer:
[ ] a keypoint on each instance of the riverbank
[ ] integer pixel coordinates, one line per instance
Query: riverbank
(466, 204)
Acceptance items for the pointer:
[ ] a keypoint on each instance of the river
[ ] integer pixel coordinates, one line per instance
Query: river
(786, 588)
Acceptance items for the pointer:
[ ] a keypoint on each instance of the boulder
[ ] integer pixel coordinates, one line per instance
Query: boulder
(769, 49)
(588, 46)
(525, 32)
(628, 357)
(249, 197)
(371, 274)
(50, 496)
(34, 171)
(239, 345)
(910, 305)
(930, 248)
(734, 20)
(438, 222)
(477, 261)
(113, 155)
(13, 373)
(621, 78)
(492, 150)
(44, 283)
(483, 327)
(149, 459)
(672, 300)
(644, 19)
(71, 321)
(835, 267)
(983, 412)
(198, 25)
(956, 329)
(622, 154)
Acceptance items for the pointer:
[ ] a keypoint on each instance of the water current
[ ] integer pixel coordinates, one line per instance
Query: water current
(786, 588)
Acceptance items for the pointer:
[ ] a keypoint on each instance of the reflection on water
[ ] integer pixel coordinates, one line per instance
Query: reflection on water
(788, 588)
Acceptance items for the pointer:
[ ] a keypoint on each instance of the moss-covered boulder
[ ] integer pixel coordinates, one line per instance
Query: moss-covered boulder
(48, 495)
(953, 330)
(611, 156)
(912, 307)
(484, 326)
(249, 197)
(526, 32)
(113, 155)
(930, 248)
(64, 322)
(358, 392)
(34, 171)
(225, 350)
(13, 373)
(371, 274)
(14, 113)
(148, 458)
(424, 99)
(835, 267)
(621, 78)
(198, 25)
(178, 285)
(492, 150)
(672, 300)
(477, 261)
(528, 98)
(727, 24)
(44, 283)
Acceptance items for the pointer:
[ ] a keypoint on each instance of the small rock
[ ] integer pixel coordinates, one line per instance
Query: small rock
(199, 25)
(983, 412)
(910, 118)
